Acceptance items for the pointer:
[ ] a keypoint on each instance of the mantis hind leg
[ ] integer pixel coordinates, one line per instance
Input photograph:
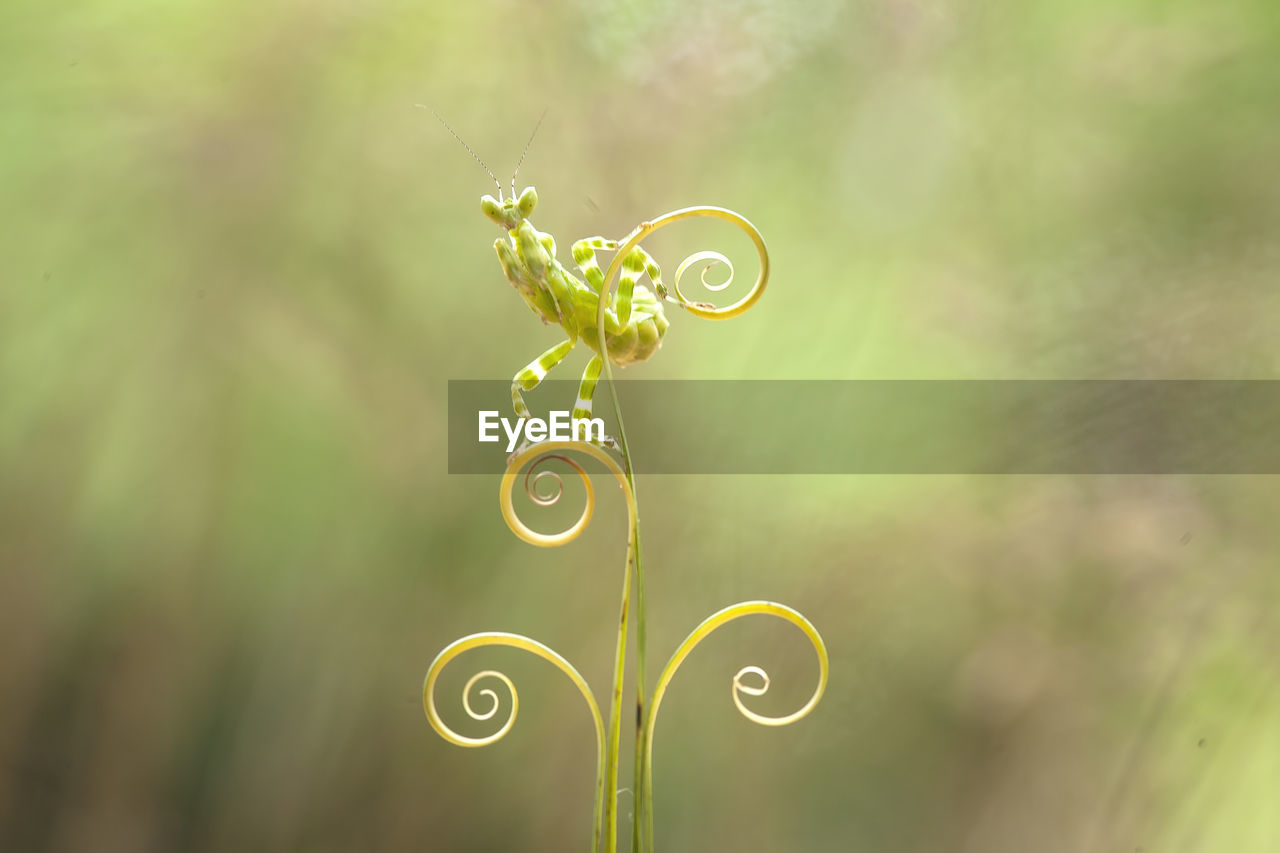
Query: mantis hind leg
(532, 375)
(586, 392)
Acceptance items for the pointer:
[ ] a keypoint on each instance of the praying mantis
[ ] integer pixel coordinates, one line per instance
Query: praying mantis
(634, 321)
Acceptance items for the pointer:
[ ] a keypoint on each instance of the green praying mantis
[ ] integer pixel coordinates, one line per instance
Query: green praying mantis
(634, 320)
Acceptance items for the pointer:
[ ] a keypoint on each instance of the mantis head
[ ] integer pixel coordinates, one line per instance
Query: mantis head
(511, 212)
(508, 213)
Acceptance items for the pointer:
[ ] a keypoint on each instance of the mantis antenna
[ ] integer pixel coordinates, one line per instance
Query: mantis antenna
(475, 156)
(526, 151)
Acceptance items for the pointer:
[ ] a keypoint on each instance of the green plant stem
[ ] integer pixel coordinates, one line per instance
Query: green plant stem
(633, 559)
(615, 715)
(639, 810)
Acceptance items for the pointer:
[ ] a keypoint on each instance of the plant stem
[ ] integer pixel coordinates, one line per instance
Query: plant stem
(633, 559)
(639, 809)
(615, 717)
(640, 805)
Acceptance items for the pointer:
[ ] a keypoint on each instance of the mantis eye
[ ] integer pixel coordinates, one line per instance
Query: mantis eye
(528, 199)
(489, 205)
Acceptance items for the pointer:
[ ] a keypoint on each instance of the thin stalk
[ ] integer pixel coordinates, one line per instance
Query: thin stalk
(615, 717)
(638, 808)
(633, 560)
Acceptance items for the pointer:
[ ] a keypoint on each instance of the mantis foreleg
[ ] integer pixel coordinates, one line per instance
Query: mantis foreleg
(636, 263)
(536, 251)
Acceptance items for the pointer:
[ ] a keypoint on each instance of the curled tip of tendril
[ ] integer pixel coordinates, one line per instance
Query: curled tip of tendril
(462, 740)
(532, 481)
(545, 487)
(713, 259)
(495, 638)
(488, 694)
(740, 688)
(741, 685)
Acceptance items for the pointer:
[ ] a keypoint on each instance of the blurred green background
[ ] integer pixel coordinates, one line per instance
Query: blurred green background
(239, 267)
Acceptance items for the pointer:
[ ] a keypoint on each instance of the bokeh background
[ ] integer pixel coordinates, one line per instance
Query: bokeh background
(238, 267)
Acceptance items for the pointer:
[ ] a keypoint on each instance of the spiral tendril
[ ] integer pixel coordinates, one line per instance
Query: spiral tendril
(517, 641)
(708, 625)
(714, 259)
(493, 638)
(487, 693)
(698, 309)
(539, 454)
(740, 687)
(531, 485)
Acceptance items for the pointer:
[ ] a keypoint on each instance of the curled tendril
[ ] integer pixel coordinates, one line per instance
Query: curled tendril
(532, 480)
(698, 309)
(517, 641)
(740, 687)
(540, 454)
(494, 638)
(493, 698)
(713, 259)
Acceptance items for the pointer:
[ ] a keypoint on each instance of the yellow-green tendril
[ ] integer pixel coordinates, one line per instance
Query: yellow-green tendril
(499, 638)
(507, 489)
(736, 611)
(698, 309)
(534, 456)
(643, 802)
